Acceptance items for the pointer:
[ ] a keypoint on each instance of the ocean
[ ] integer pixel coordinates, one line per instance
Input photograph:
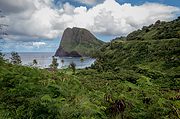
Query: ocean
(44, 59)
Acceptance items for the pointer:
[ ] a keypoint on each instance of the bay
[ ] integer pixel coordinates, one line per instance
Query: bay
(44, 59)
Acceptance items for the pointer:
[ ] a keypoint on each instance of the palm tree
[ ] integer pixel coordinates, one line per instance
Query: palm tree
(15, 58)
(72, 65)
(1, 57)
(54, 64)
(62, 61)
(35, 62)
(82, 60)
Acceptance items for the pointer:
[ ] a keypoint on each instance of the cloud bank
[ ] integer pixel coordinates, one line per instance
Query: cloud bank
(42, 19)
(90, 2)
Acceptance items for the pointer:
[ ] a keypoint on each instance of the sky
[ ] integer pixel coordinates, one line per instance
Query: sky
(38, 25)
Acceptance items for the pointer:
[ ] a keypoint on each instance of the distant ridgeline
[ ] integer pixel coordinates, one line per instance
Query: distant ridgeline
(77, 42)
(153, 51)
(157, 31)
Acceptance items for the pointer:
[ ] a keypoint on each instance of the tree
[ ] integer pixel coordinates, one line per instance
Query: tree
(54, 64)
(158, 22)
(82, 60)
(62, 61)
(72, 65)
(111, 44)
(35, 62)
(1, 57)
(15, 58)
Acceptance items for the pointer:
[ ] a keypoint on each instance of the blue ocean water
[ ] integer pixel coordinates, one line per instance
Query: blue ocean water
(44, 59)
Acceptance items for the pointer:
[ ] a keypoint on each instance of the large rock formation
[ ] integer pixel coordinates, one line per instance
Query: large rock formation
(77, 42)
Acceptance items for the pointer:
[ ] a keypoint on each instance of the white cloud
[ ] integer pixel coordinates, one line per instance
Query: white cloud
(112, 18)
(38, 44)
(90, 2)
(68, 9)
(39, 19)
(17, 6)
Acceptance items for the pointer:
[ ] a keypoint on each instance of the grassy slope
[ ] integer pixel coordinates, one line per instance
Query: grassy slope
(159, 30)
(34, 93)
(150, 64)
(136, 71)
(145, 74)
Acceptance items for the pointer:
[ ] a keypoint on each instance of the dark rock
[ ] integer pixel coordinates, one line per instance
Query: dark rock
(77, 42)
(62, 53)
(74, 54)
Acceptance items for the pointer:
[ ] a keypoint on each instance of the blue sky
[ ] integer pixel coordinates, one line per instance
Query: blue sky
(37, 26)
(133, 2)
(138, 2)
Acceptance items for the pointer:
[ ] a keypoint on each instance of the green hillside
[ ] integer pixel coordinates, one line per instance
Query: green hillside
(131, 79)
(78, 40)
(159, 30)
(147, 61)
(31, 93)
(153, 59)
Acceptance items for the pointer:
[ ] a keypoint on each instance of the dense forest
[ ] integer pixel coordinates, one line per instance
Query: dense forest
(134, 77)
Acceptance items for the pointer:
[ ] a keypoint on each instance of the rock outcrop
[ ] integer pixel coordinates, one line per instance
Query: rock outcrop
(77, 42)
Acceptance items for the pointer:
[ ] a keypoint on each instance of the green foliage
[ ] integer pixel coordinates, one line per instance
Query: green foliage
(34, 93)
(62, 61)
(163, 53)
(35, 62)
(72, 65)
(54, 63)
(15, 58)
(143, 69)
(82, 59)
(143, 99)
(1, 57)
(159, 30)
(130, 79)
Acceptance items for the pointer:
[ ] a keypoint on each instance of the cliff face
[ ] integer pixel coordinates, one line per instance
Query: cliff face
(62, 53)
(77, 42)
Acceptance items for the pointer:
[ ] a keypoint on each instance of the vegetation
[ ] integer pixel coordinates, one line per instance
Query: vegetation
(131, 79)
(1, 56)
(82, 60)
(35, 62)
(54, 64)
(72, 66)
(15, 58)
(159, 30)
(62, 62)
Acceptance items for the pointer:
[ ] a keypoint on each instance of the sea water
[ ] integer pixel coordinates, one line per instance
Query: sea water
(44, 59)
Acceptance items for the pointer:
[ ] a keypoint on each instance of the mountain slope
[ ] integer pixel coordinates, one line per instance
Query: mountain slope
(78, 42)
(149, 65)
(157, 58)
(159, 30)
(131, 80)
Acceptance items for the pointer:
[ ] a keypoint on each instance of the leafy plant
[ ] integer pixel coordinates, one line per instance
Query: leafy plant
(15, 58)
(72, 65)
(54, 64)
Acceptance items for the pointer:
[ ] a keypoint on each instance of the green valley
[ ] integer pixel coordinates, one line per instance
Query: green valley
(136, 77)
